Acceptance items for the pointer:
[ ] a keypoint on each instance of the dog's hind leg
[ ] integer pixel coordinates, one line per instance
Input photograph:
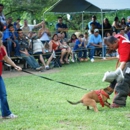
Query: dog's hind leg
(90, 102)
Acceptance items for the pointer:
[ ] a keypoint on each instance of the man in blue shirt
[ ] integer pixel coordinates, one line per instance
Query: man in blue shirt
(95, 43)
(81, 48)
(61, 27)
(94, 22)
(10, 40)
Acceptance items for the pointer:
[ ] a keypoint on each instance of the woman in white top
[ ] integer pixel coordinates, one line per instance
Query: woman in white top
(116, 25)
(44, 34)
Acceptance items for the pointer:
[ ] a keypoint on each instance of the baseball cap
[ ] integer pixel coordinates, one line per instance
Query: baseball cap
(96, 30)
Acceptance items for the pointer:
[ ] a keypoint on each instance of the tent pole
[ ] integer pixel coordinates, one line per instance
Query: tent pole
(102, 34)
(82, 21)
(50, 8)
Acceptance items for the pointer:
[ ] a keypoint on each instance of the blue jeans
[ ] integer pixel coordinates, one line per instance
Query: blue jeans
(31, 61)
(82, 53)
(10, 47)
(17, 48)
(92, 51)
(3, 99)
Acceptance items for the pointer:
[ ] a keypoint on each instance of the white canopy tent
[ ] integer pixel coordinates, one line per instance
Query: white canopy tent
(91, 6)
(71, 6)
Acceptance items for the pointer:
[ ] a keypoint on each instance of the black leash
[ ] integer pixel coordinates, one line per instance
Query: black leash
(53, 80)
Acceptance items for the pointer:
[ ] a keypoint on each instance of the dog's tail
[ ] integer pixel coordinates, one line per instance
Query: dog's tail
(73, 103)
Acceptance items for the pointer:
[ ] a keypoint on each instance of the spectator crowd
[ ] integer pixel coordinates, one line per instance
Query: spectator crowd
(30, 45)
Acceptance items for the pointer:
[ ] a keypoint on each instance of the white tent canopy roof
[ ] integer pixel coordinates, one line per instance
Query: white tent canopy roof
(111, 4)
(71, 6)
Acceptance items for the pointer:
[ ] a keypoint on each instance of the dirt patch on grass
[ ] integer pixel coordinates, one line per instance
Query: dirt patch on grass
(72, 125)
(14, 73)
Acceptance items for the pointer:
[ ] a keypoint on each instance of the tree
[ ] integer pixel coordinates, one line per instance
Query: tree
(33, 9)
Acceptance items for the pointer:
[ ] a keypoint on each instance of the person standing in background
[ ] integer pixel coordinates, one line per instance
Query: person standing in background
(27, 29)
(44, 34)
(61, 27)
(2, 19)
(93, 24)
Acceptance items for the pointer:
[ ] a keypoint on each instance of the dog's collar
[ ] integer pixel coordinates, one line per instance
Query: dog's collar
(105, 94)
(99, 93)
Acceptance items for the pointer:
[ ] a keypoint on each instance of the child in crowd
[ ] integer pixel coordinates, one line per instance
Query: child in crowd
(81, 48)
(71, 43)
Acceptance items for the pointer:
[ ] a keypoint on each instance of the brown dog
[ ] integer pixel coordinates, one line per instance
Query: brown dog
(92, 97)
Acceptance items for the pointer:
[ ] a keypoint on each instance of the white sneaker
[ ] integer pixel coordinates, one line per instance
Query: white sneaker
(47, 67)
(39, 68)
(92, 60)
(11, 116)
(104, 58)
(72, 60)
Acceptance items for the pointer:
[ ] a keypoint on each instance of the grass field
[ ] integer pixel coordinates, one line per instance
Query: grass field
(41, 104)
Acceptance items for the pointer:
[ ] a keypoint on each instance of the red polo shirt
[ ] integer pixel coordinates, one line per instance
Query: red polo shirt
(2, 54)
(123, 48)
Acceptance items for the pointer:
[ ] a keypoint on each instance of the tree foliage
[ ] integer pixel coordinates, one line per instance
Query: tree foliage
(34, 9)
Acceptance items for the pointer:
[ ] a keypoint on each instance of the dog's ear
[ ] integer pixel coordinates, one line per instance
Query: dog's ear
(108, 90)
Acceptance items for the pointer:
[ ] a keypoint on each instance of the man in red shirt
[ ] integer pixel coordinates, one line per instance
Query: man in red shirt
(6, 113)
(122, 89)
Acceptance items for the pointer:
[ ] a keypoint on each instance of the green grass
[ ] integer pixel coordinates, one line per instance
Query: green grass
(41, 104)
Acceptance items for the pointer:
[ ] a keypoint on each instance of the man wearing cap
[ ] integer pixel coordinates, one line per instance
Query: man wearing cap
(128, 21)
(94, 22)
(95, 43)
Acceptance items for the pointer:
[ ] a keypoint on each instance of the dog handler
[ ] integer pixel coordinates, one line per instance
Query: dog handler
(6, 113)
(122, 89)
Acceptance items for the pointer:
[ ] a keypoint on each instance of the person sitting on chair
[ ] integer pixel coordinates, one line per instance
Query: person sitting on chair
(55, 47)
(81, 48)
(39, 50)
(23, 48)
(10, 40)
(71, 43)
(62, 40)
(95, 43)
